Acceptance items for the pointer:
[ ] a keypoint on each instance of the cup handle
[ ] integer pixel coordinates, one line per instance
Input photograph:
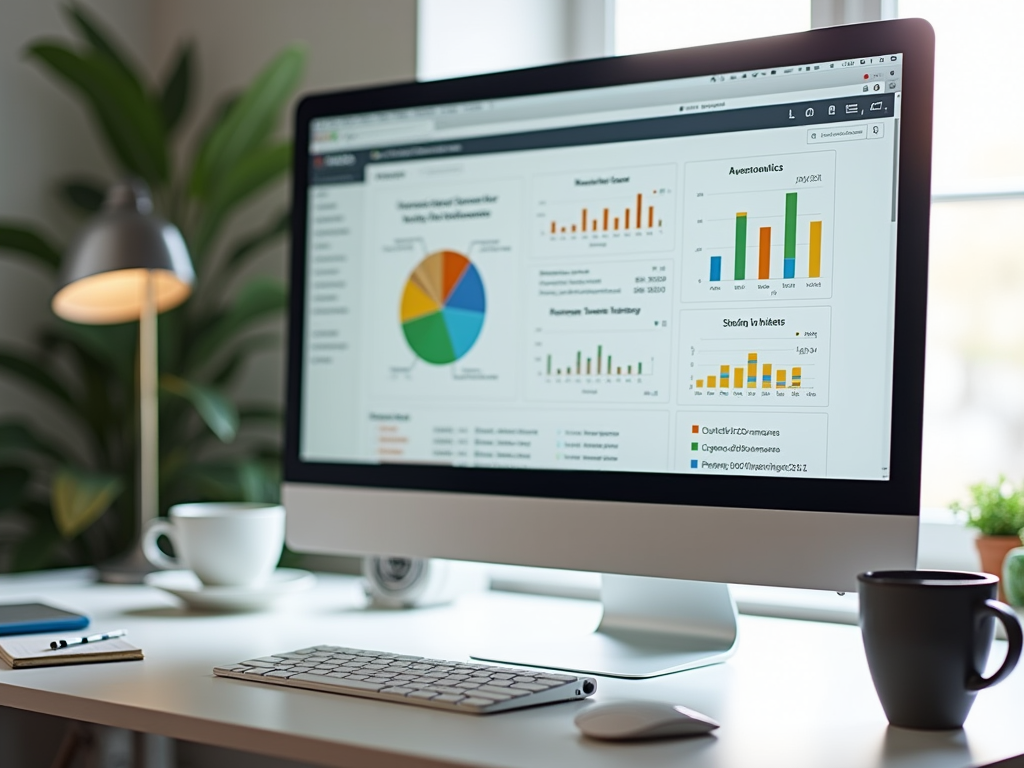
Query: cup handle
(1011, 624)
(153, 553)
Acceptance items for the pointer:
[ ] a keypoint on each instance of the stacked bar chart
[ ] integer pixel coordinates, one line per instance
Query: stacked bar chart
(760, 357)
(622, 210)
(747, 377)
(759, 228)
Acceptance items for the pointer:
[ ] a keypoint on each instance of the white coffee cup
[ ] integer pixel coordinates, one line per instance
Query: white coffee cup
(226, 544)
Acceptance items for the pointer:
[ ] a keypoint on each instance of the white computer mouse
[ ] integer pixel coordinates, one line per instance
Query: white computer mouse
(633, 720)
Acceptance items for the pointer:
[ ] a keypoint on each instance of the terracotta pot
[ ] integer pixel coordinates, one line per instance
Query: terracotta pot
(993, 550)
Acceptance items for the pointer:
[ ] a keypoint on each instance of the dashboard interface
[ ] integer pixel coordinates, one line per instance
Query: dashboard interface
(684, 276)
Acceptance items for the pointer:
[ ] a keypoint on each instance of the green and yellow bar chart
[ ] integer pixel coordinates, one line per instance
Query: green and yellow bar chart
(598, 362)
(764, 248)
(759, 229)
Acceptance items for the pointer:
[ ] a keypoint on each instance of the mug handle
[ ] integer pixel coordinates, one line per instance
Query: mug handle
(154, 530)
(1011, 624)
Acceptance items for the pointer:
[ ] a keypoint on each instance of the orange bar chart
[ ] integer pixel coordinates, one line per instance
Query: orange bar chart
(631, 219)
(764, 253)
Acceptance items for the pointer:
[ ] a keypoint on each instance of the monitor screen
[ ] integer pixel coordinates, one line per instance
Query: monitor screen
(691, 276)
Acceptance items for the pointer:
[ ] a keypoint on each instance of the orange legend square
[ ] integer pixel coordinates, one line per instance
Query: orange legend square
(695, 429)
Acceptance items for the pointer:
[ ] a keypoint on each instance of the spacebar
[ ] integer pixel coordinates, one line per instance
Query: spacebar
(336, 682)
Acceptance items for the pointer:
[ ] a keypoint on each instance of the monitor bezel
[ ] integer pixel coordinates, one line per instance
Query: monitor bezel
(899, 495)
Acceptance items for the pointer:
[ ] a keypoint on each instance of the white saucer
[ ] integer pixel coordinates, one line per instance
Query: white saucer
(186, 586)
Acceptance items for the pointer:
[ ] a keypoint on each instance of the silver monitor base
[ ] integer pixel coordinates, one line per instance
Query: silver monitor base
(649, 627)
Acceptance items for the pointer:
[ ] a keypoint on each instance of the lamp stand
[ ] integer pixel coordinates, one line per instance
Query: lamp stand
(132, 567)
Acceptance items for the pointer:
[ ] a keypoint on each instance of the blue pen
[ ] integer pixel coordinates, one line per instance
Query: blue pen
(56, 645)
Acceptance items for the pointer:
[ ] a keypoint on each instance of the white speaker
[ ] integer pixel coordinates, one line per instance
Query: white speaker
(411, 582)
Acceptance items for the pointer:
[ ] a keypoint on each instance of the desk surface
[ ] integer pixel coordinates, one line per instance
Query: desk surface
(796, 694)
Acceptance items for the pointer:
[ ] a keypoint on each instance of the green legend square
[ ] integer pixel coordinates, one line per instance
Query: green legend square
(693, 446)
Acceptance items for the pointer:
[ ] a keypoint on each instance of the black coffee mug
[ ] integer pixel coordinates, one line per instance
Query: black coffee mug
(927, 636)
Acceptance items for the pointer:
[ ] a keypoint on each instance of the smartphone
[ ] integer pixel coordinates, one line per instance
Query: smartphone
(23, 618)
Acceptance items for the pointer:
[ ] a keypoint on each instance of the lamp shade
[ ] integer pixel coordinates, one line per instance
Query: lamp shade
(104, 276)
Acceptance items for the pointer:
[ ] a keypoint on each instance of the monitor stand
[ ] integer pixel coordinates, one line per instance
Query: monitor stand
(649, 627)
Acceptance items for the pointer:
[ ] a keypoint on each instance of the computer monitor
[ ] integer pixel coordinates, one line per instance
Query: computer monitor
(659, 316)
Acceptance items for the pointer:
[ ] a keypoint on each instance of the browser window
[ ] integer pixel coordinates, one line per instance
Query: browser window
(692, 276)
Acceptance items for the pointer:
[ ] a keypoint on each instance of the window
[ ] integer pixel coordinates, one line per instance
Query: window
(974, 401)
(655, 25)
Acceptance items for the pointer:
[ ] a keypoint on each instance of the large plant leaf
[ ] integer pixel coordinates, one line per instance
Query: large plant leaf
(83, 195)
(34, 374)
(249, 121)
(216, 410)
(249, 176)
(36, 551)
(265, 414)
(28, 242)
(17, 438)
(79, 497)
(259, 481)
(210, 480)
(103, 44)
(131, 123)
(225, 374)
(259, 298)
(13, 481)
(175, 93)
(251, 245)
(114, 347)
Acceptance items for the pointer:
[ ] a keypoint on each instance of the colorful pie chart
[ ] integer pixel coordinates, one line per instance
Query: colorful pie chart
(443, 307)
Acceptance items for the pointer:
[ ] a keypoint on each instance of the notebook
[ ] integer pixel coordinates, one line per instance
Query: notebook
(34, 651)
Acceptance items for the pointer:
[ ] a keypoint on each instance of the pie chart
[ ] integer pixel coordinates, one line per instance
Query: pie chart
(443, 307)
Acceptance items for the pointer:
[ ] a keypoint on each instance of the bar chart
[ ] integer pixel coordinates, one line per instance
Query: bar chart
(759, 228)
(596, 362)
(761, 357)
(607, 367)
(622, 210)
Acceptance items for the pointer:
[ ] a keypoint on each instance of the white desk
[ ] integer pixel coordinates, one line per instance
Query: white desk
(796, 693)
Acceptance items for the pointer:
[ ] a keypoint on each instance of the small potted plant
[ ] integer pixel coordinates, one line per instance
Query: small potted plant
(997, 511)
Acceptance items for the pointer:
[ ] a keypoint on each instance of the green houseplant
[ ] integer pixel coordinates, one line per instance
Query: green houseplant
(73, 493)
(996, 510)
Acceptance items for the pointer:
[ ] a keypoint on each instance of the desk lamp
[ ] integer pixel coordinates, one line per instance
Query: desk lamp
(127, 265)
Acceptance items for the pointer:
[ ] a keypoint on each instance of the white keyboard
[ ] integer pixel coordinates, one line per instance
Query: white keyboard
(460, 687)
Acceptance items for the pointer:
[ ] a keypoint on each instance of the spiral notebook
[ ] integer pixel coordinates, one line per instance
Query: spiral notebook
(34, 651)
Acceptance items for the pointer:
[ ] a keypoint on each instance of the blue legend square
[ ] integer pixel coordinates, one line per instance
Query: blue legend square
(693, 463)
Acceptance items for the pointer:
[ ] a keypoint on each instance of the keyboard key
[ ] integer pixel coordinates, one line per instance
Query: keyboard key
(355, 685)
(474, 702)
(448, 697)
(399, 690)
(420, 695)
(527, 687)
